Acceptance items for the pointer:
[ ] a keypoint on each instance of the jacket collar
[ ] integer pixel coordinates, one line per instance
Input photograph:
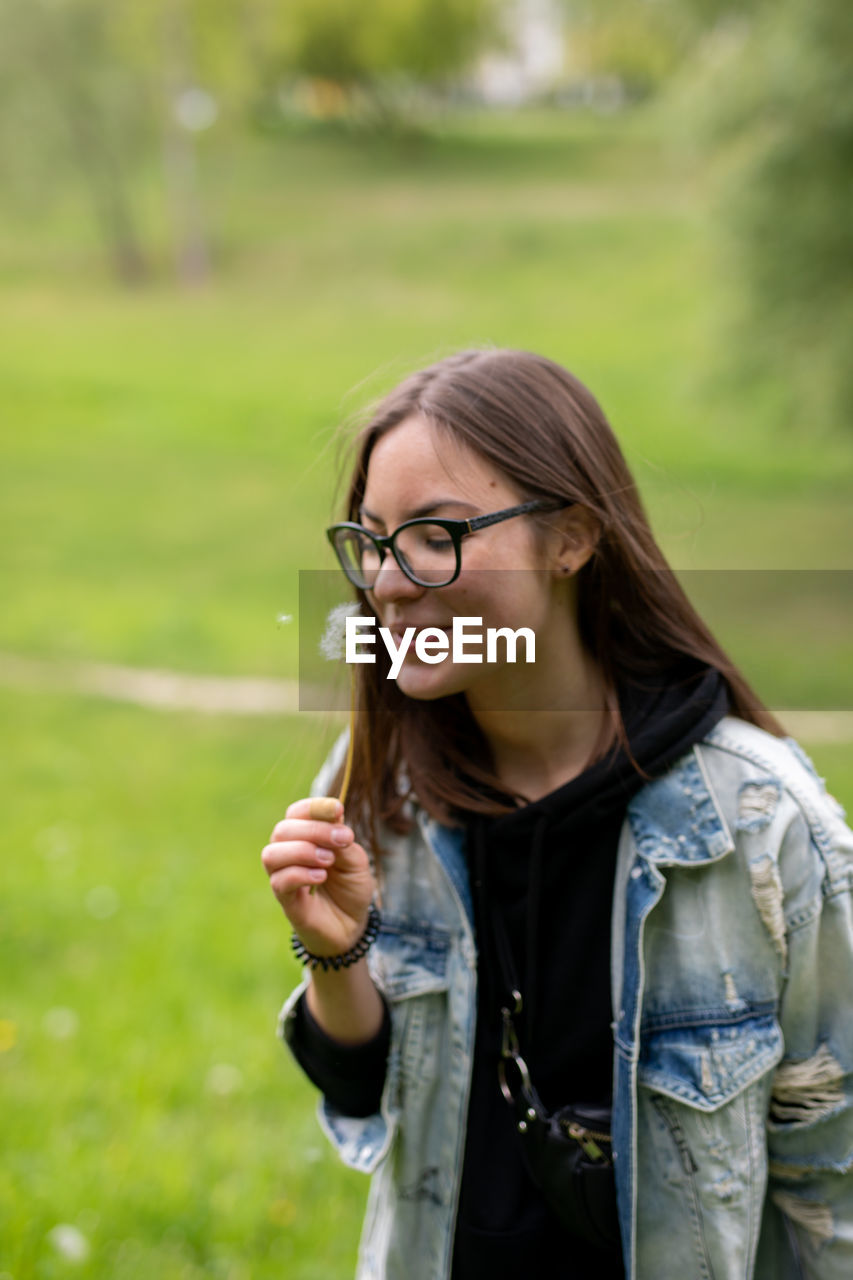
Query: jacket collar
(449, 845)
(676, 819)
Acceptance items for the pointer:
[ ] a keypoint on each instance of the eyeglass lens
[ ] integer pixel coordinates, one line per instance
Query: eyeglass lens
(425, 551)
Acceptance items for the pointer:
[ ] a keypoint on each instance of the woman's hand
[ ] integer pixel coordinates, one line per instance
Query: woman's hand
(306, 854)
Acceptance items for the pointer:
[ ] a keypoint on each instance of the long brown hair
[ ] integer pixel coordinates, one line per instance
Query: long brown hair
(541, 427)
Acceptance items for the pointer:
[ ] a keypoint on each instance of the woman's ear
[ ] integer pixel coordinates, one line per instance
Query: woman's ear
(577, 532)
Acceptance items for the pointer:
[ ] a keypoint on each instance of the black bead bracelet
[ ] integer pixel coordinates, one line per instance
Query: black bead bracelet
(346, 958)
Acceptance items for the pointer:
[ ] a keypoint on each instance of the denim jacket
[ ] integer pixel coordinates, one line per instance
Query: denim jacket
(732, 978)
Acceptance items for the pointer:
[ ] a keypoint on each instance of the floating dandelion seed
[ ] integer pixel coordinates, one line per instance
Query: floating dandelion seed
(284, 618)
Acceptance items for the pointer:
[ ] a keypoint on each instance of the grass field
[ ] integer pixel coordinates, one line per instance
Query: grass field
(166, 468)
(146, 1100)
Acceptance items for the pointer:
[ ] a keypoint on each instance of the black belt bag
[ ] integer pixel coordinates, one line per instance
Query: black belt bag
(567, 1152)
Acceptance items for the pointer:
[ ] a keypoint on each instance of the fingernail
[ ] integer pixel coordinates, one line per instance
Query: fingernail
(342, 835)
(317, 875)
(325, 855)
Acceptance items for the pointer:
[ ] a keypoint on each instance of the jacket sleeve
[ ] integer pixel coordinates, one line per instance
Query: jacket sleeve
(351, 1077)
(361, 1140)
(810, 1118)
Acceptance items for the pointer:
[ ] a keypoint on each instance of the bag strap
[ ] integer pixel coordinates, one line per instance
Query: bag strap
(511, 1000)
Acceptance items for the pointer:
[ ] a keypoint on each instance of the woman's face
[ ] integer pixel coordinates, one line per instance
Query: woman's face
(508, 578)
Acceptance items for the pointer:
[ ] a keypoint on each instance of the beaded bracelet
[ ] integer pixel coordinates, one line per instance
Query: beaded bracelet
(346, 958)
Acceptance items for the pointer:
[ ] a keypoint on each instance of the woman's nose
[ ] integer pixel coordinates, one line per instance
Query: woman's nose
(392, 584)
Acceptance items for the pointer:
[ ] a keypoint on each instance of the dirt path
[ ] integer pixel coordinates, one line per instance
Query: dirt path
(248, 695)
(165, 690)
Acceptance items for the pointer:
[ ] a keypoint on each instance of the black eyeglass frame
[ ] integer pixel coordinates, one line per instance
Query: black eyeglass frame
(457, 529)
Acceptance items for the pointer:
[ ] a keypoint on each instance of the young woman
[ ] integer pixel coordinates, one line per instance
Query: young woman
(612, 962)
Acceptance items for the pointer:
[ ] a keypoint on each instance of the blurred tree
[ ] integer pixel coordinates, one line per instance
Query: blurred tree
(62, 97)
(766, 87)
(644, 42)
(771, 94)
(638, 44)
(96, 86)
(375, 48)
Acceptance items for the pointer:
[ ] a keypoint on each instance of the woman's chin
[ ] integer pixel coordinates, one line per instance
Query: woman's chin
(424, 683)
(427, 683)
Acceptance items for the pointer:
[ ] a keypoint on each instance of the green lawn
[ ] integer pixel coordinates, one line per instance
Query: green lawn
(146, 1099)
(166, 467)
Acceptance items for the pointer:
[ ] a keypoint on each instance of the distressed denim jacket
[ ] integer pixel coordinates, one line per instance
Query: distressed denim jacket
(732, 976)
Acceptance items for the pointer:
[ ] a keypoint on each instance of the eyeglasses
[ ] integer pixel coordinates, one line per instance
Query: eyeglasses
(429, 551)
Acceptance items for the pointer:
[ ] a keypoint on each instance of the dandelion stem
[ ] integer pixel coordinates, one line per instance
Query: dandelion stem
(348, 765)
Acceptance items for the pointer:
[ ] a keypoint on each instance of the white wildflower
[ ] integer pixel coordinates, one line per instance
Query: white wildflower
(223, 1079)
(102, 902)
(69, 1242)
(60, 1023)
(56, 842)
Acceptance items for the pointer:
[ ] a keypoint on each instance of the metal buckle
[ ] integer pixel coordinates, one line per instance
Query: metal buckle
(510, 1053)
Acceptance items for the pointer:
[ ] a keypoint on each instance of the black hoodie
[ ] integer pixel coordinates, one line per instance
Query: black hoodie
(547, 871)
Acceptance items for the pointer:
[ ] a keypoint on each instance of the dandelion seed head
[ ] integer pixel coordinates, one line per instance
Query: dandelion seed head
(333, 640)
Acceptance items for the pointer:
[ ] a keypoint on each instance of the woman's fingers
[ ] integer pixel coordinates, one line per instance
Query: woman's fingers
(300, 831)
(306, 852)
(290, 880)
(291, 862)
(332, 835)
(295, 865)
(333, 920)
(288, 853)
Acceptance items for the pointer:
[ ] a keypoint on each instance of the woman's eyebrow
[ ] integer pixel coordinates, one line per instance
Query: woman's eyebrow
(426, 509)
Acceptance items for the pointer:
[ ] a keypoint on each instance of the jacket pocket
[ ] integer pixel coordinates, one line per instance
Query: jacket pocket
(706, 1064)
(410, 958)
